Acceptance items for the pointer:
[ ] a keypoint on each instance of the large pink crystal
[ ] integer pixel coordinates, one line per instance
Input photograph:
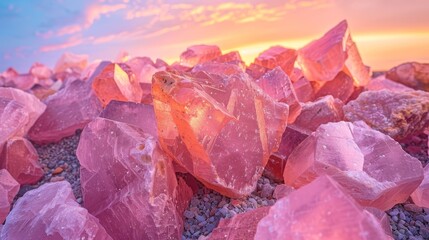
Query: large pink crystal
(411, 74)
(221, 130)
(40, 71)
(381, 82)
(71, 62)
(320, 210)
(421, 195)
(128, 183)
(240, 226)
(233, 58)
(9, 187)
(199, 54)
(371, 166)
(68, 110)
(324, 58)
(397, 114)
(51, 212)
(278, 56)
(303, 90)
(20, 158)
(341, 87)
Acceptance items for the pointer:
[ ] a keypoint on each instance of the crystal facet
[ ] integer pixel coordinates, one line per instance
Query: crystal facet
(9, 187)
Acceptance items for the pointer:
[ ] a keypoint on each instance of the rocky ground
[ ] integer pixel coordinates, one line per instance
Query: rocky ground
(207, 207)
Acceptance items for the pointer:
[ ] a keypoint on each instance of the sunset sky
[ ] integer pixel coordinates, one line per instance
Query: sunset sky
(387, 32)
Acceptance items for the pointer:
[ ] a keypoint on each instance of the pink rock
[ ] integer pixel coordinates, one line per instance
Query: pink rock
(20, 158)
(341, 87)
(278, 85)
(233, 58)
(381, 82)
(22, 81)
(397, 114)
(256, 71)
(71, 62)
(278, 56)
(382, 218)
(68, 110)
(303, 90)
(353, 154)
(282, 191)
(144, 68)
(134, 191)
(320, 210)
(221, 130)
(9, 73)
(18, 112)
(412, 74)
(136, 114)
(51, 212)
(40, 71)
(324, 58)
(218, 68)
(9, 187)
(421, 195)
(199, 54)
(240, 226)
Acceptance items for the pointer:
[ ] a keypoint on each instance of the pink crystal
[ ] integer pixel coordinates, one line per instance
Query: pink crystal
(218, 68)
(397, 114)
(412, 74)
(341, 87)
(353, 154)
(421, 195)
(240, 226)
(233, 58)
(20, 158)
(71, 62)
(381, 82)
(9, 187)
(382, 218)
(51, 212)
(324, 58)
(68, 110)
(278, 56)
(256, 71)
(136, 114)
(40, 71)
(303, 90)
(128, 183)
(278, 85)
(221, 130)
(320, 210)
(199, 54)
(22, 81)
(282, 191)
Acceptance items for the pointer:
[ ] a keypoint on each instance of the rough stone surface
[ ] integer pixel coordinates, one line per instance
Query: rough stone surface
(51, 212)
(412, 74)
(371, 166)
(199, 54)
(320, 210)
(421, 195)
(381, 82)
(278, 56)
(397, 114)
(20, 158)
(9, 187)
(221, 130)
(128, 183)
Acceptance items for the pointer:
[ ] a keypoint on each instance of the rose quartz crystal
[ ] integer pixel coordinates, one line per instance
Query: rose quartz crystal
(278, 56)
(256, 71)
(199, 54)
(397, 114)
(22, 81)
(341, 87)
(51, 212)
(9, 187)
(381, 82)
(136, 114)
(240, 226)
(117, 82)
(282, 191)
(128, 183)
(320, 210)
(324, 58)
(221, 130)
(71, 62)
(412, 74)
(353, 154)
(278, 85)
(421, 195)
(68, 110)
(20, 158)
(233, 58)
(40, 71)
(303, 90)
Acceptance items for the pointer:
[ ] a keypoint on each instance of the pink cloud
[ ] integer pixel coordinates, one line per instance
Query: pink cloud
(73, 41)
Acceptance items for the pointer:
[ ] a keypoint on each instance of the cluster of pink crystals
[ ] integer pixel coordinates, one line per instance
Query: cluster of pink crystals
(213, 118)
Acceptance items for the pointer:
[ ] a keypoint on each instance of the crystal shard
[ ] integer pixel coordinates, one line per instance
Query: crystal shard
(412, 74)
(199, 54)
(397, 114)
(51, 212)
(20, 158)
(116, 82)
(324, 58)
(9, 187)
(221, 130)
(303, 89)
(40, 71)
(71, 62)
(353, 154)
(341, 87)
(278, 56)
(320, 210)
(128, 183)
(421, 195)
(381, 82)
